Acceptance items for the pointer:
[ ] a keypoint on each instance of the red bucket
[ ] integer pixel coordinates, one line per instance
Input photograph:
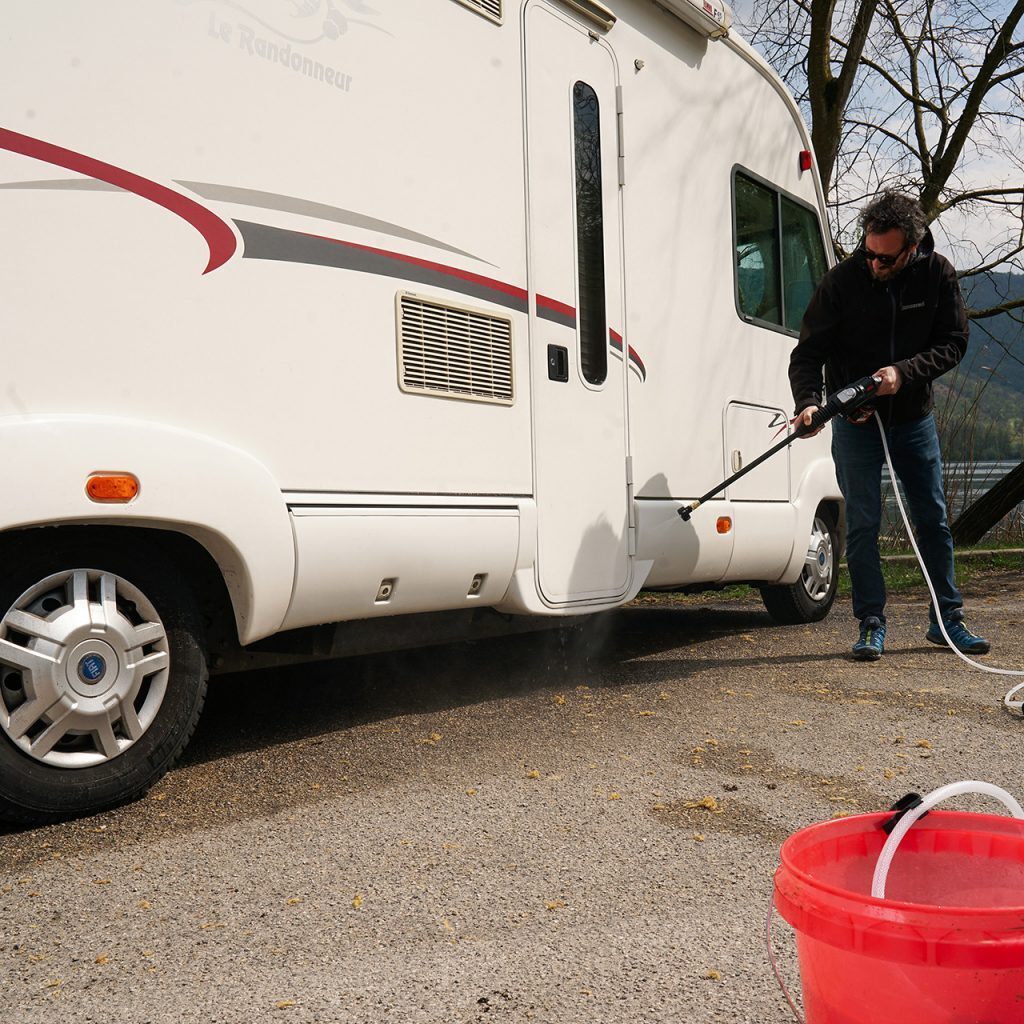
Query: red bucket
(946, 945)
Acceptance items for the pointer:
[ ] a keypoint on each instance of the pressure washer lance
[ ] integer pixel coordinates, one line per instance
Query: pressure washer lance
(845, 400)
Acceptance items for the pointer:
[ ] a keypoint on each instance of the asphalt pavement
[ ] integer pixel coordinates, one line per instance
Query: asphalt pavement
(552, 828)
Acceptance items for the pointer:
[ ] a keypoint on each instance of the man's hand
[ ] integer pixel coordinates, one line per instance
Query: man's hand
(804, 417)
(892, 380)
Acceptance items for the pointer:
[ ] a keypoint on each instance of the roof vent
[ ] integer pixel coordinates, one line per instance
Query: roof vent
(454, 351)
(488, 8)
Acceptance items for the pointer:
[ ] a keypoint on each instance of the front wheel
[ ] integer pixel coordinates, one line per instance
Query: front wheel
(102, 679)
(810, 599)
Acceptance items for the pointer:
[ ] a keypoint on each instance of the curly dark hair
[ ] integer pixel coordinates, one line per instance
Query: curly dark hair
(892, 209)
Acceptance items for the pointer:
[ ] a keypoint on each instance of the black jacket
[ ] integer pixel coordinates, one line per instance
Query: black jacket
(855, 325)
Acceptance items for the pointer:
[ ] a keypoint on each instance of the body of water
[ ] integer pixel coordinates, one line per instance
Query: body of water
(965, 482)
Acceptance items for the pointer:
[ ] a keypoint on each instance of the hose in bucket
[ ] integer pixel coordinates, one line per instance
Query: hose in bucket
(905, 823)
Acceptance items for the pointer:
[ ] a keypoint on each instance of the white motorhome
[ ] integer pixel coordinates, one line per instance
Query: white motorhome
(413, 317)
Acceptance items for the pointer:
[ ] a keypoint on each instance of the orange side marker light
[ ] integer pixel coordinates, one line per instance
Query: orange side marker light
(112, 487)
(724, 524)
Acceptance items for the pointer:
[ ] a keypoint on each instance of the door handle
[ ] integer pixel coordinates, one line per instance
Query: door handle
(558, 363)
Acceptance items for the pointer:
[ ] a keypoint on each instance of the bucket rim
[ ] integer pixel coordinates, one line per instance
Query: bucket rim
(786, 863)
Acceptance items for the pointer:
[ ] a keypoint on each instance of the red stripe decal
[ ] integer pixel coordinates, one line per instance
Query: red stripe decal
(441, 268)
(556, 306)
(218, 235)
(632, 353)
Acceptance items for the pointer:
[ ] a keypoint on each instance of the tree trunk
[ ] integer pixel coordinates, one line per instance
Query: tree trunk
(980, 516)
(828, 93)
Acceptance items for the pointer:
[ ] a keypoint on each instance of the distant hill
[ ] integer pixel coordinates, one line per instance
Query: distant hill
(986, 335)
(981, 404)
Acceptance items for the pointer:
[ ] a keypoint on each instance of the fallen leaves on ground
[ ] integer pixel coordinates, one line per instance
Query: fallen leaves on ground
(708, 803)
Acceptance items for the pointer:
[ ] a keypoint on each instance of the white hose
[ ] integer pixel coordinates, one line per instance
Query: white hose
(1017, 704)
(908, 819)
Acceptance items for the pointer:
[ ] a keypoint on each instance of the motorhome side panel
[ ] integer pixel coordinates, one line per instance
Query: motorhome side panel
(349, 165)
(360, 328)
(716, 388)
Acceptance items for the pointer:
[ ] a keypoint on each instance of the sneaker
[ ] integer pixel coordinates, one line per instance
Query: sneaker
(963, 639)
(872, 640)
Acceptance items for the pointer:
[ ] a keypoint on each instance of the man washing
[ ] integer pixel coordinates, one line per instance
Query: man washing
(892, 310)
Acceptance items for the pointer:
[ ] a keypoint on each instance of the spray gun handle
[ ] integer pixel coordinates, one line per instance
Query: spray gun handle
(844, 400)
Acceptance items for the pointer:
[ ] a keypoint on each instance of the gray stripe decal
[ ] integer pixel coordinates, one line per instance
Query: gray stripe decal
(66, 185)
(556, 316)
(262, 200)
(263, 242)
(321, 211)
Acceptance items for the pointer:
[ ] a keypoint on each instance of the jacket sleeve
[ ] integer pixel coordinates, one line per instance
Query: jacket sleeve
(819, 333)
(948, 341)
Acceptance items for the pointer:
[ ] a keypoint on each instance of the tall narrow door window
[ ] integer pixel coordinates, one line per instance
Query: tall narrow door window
(593, 323)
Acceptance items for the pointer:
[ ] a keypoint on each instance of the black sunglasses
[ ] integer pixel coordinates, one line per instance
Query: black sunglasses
(886, 261)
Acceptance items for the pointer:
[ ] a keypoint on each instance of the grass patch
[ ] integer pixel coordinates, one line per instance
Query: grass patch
(903, 572)
(899, 568)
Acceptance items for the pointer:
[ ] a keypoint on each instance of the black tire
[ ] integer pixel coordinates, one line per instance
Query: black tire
(158, 707)
(811, 597)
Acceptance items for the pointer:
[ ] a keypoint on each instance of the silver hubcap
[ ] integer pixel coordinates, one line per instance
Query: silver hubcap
(819, 563)
(83, 668)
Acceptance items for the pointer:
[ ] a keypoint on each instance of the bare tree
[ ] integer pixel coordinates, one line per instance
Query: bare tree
(926, 96)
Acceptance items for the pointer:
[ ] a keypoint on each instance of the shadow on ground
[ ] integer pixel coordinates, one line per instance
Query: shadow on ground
(250, 710)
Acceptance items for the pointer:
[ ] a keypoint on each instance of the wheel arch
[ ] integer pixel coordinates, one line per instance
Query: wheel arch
(207, 501)
(817, 491)
(201, 571)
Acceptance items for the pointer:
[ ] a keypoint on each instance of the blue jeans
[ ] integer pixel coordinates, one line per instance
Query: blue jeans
(914, 448)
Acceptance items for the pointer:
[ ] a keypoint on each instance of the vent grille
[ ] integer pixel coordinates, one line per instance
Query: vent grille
(488, 8)
(454, 351)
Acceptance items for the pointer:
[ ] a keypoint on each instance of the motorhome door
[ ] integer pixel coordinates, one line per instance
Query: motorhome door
(576, 320)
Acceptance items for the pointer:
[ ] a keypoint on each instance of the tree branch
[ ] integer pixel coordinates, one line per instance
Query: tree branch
(991, 311)
(950, 157)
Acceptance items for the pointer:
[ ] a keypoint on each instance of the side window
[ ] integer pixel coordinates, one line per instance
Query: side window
(803, 260)
(779, 255)
(593, 324)
(757, 252)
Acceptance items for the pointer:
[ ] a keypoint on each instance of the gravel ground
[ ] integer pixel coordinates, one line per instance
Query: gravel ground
(536, 828)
